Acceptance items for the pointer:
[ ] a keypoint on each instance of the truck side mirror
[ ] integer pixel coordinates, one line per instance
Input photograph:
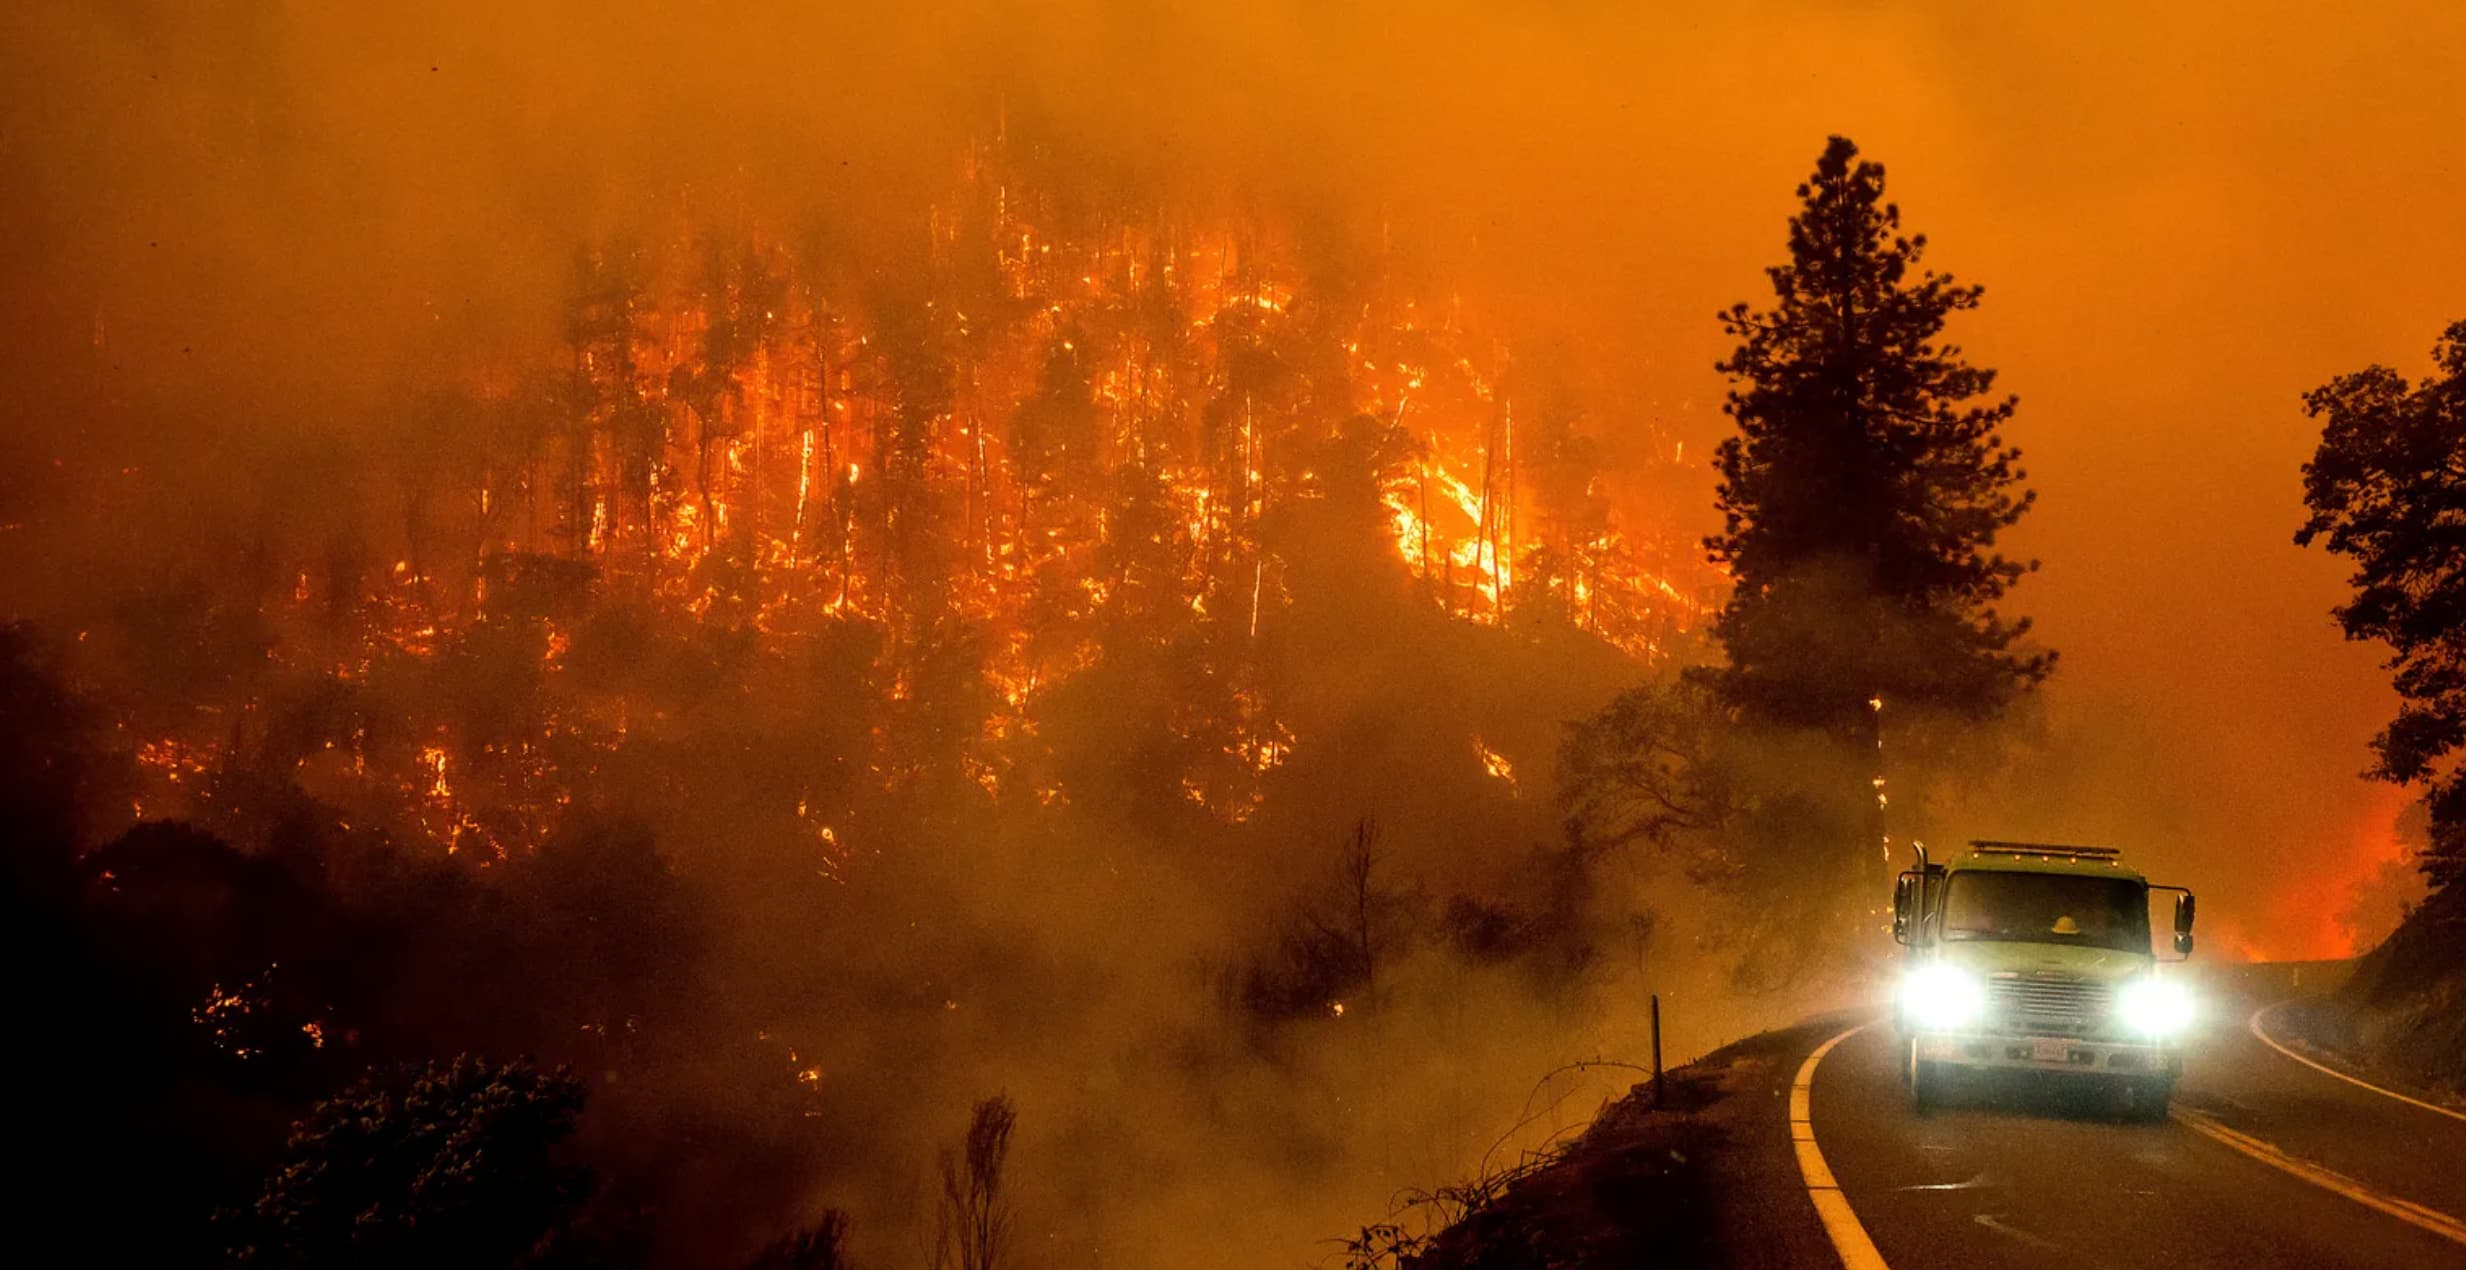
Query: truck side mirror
(2183, 924)
(1904, 891)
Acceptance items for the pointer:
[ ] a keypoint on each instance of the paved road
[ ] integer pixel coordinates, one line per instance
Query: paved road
(2023, 1174)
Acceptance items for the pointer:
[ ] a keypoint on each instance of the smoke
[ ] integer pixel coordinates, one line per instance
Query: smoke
(233, 222)
(237, 238)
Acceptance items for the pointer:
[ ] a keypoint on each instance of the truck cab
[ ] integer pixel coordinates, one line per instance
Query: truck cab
(2038, 957)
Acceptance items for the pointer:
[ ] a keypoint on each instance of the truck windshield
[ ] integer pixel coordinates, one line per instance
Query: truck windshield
(2048, 908)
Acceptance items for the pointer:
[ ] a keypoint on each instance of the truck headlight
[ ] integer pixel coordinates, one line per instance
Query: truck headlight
(1942, 998)
(2155, 1007)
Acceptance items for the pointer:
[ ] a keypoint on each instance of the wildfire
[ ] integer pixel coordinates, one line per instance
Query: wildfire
(172, 760)
(1495, 763)
(225, 1012)
(1099, 426)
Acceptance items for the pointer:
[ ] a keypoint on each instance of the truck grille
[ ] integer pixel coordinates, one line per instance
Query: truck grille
(2048, 1003)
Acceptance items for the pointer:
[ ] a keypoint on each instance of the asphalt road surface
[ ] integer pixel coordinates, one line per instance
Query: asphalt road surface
(2265, 1163)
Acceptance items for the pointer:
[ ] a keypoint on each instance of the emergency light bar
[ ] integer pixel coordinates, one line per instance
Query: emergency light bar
(1988, 846)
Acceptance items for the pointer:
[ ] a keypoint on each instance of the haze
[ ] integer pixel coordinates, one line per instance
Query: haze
(2185, 215)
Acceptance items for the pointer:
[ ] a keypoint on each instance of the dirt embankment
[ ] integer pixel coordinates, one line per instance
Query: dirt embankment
(1706, 1179)
(2400, 1018)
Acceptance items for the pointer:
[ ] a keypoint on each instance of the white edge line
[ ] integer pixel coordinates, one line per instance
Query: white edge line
(2254, 1023)
(1832, 1208)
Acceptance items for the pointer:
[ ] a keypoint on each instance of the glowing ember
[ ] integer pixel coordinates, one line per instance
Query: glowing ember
(1495, 763)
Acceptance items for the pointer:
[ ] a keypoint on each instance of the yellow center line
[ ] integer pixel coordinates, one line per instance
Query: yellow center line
(2407, 1211)
(1831, 1207)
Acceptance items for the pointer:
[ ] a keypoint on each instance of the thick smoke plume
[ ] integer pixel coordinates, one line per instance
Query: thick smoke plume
(414, 469)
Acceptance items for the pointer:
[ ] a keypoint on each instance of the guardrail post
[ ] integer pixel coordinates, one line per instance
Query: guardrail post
(1656, 1051)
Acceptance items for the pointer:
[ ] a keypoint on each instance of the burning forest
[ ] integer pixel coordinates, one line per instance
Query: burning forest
(1061, 442)
(661, 689)
(826, 635)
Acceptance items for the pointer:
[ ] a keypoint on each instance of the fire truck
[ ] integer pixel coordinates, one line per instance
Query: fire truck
(2026, 956)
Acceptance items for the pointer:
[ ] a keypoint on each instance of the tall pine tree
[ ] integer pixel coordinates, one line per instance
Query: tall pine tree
(1863, 495)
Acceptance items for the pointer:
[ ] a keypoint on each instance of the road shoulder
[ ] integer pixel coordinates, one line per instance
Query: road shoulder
(1709, 1180)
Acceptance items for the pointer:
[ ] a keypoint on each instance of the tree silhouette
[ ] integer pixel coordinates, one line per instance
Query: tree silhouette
(1863, 494)
(975, 1215)
(2387, 488)
(821, 1246)
(457, 1169)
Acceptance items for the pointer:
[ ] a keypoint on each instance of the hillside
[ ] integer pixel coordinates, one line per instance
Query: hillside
(1689, 1183)
(2402, 1015)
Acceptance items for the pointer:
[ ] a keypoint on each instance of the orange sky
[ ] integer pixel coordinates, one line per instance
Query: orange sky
(2184, 217)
